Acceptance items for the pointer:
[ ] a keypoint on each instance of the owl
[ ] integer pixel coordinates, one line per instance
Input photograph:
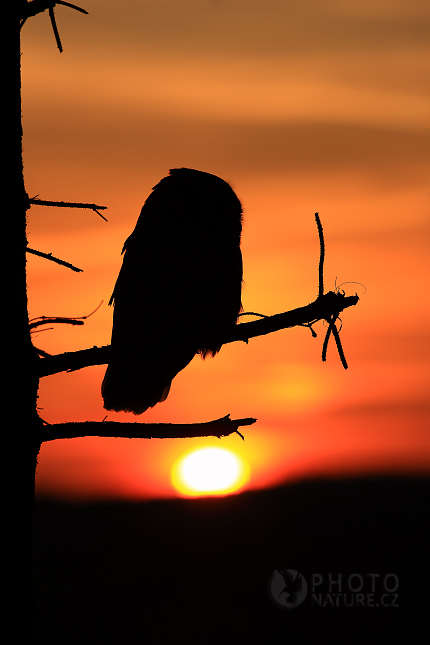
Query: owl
(178, 292)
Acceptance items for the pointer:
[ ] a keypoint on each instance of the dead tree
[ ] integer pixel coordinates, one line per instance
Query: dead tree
(25, 365)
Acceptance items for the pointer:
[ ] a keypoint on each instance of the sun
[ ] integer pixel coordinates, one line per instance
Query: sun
(209, 471)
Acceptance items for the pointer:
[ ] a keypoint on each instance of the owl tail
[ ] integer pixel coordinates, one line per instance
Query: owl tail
(125, 389)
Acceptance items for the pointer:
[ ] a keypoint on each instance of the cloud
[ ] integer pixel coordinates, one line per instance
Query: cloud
(416, 412)
(390, 157)
(370, 44)
(244, 27)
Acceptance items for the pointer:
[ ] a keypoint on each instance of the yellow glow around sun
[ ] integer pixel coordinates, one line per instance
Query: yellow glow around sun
(209, 471)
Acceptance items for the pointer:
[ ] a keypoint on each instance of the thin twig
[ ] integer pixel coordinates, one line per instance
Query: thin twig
(54, 27)
(32, 8)
(49, 256)
(49, 321)
(339, 346)
(325, 343)
(219, 428)
(252, 313)
(309, 326)
(94, 207)
(332, 329)
(322, 254)
(76, 320)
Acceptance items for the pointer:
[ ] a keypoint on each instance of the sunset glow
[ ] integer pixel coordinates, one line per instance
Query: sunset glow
(209, 471)
(307, 107)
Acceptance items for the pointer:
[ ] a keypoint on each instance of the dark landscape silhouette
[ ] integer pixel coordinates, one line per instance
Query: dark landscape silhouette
(196, 570)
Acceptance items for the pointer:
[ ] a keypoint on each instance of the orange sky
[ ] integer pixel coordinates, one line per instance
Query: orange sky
(302, 107)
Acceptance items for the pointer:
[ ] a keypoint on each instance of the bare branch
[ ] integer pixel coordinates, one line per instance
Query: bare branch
(326, 307)
(32, 8)
(45, 320)
(49, 256)
(71, 361)
(321, 309)
(94, 207)
(331, 304)
(218, 428)
(72, 6)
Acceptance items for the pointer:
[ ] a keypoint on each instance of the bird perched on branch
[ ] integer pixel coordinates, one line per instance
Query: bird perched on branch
(179, 288)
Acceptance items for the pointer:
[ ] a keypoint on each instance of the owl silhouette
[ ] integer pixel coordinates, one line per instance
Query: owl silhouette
(179, 288)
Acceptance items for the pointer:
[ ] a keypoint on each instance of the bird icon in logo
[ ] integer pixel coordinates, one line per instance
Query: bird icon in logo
(287, 588)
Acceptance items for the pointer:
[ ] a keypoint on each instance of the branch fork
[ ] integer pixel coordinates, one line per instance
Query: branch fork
(38, 6)
(40, 202)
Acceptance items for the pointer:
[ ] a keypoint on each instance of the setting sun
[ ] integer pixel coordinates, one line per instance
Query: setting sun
(209, 471)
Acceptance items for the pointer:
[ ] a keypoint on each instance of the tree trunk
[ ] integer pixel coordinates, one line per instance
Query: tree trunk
(21, 425)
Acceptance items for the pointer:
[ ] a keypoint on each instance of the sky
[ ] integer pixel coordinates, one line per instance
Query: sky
(320, 106)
